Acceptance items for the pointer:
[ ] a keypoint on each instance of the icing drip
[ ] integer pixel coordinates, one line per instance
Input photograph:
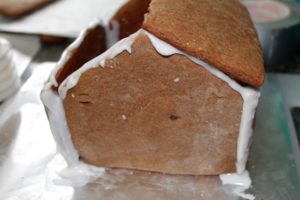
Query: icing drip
(249, 95)
(241, 182)
(112, 37)
(246, 131)
(59, 127)
(67, 53)
(9, 79)
(112, 34)
(122, 45)
(75, 173)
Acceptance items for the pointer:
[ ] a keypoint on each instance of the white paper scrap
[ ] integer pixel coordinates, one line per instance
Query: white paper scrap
(62, 17)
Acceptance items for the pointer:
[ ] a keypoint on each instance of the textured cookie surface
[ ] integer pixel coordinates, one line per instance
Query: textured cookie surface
(164, 114)
(131, 16)
(91, 46)
(218, 31)
(17, 8)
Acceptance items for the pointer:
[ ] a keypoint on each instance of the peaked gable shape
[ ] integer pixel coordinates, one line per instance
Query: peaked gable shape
(224, 38)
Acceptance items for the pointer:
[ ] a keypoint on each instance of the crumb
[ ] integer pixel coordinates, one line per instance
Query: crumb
(177, 79)
(124, 117)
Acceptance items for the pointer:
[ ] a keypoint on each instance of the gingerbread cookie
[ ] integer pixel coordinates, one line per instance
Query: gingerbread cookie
(18, 8)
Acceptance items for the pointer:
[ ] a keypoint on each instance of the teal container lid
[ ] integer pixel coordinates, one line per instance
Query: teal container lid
(295, 1)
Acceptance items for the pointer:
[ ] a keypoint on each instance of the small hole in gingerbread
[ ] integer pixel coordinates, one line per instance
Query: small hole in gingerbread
(174, 117)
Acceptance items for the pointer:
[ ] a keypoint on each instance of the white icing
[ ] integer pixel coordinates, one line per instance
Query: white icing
(122, 45)
(242, 179)
(54, 105)
(9, 79)
(246, 131)
(67, 53)
(58, 125)
(81, 174)
(241, 183)
(112, 36)
(76, 173)
(249, 95)
(112, 33)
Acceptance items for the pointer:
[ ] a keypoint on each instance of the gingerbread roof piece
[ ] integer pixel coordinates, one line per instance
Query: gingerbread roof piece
(224, 38)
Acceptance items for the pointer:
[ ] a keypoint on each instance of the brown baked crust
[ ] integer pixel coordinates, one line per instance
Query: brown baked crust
(52, 39)
(93, 44)
(18, 8)
(164, 114)
(131, 16)
(218, 31)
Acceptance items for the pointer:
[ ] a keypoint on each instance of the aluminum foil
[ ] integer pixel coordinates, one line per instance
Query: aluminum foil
(31, 168)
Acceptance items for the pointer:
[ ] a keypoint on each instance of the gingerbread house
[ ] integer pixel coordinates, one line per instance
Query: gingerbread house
(166, 86)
